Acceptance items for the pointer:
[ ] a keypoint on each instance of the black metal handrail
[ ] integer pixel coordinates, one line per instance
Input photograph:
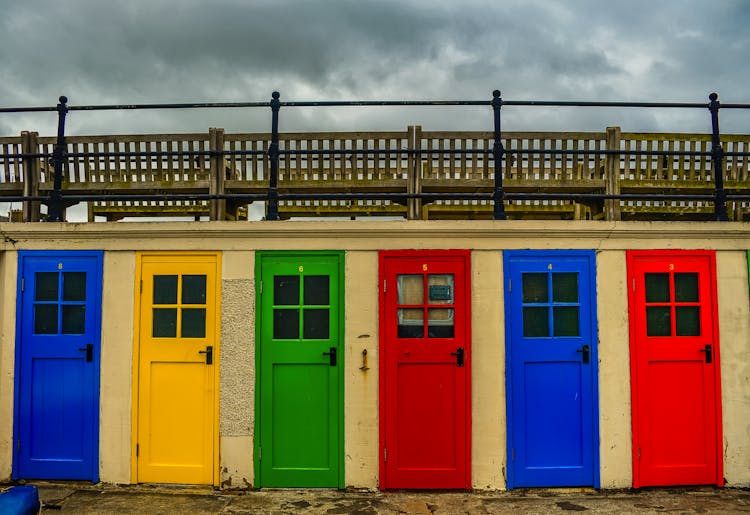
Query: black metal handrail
(56, 200)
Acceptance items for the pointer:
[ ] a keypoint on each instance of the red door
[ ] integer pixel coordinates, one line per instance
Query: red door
(425, 413)
(674, 368)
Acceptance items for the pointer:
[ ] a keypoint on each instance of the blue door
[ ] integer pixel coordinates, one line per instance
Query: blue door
(57, 366)
(551, 357)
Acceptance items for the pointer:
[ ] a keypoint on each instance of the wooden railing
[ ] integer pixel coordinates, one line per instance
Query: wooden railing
(370, 162)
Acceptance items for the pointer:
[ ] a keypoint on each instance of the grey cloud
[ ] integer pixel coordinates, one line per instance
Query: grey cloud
(232, 50)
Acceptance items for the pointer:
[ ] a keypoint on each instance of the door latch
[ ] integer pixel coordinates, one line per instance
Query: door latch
(331, 356)
(209, 352)
(586, 354)
(709, 353)
(89, 348)
(459, 356)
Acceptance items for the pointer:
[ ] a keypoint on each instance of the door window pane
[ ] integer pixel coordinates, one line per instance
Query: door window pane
(535, 321)
(657, 287)
(565, 320)
(74, 286)
(316, 290)
(440, 323)
(440, 289)
(193, 289)
(565, 287)
(410, 289)
(165, 322)
(46, 286)
(410, 323)
(73, 319)
(658, 320)
(193, 323)
(286, 324)
(315, 324)
(286, 290)
(165, 289)
(687, 320)
(686, 287)
(534, 287)
(45, 318)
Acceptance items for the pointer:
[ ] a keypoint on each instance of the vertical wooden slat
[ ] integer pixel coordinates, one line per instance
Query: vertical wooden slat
(612, 174)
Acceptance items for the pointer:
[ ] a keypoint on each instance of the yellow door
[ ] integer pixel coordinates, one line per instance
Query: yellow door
(177, 369)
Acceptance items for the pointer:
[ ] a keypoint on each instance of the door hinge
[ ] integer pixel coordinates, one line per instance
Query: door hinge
(18, 446)
(261, 287)
(260, 453)
(137, 449)
(634, 284)
(384, 288)
(23, 283)
(385, 454)
(510, 285)
(639, 453)
(141, 286)
(513, 454)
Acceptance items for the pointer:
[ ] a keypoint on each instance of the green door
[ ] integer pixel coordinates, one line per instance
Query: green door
(300, 363)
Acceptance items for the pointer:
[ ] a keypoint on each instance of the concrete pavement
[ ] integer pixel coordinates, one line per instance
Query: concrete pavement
(141, 499)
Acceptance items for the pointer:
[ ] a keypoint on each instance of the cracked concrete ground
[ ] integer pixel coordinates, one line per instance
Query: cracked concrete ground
(147, 500)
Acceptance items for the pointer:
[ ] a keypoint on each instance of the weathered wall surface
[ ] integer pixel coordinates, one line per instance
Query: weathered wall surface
(361, 386)
(488, 371)
(116, 390)
(361, 241)
(734, 336)
(615, 449)
(237, 369)
(8, 277)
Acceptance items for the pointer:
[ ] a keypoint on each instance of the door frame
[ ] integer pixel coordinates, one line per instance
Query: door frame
(217, 255)
(383, 255)
(98, 256)
(340, 257)
(590, 257)
(710, 255)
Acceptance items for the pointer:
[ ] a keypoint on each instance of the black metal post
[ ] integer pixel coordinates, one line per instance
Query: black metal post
(717, 161)
(58, 159)
(497, 153)
(272, 207)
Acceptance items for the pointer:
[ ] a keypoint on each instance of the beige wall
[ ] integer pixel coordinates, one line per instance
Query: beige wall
(361, 240)
(115, 404)
(615, 434)
(237, 369)
(734, 336)
(488, 371)
(8, 277)
(361, 435)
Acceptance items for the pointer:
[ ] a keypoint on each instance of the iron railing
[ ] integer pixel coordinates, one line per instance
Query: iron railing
(57, 199)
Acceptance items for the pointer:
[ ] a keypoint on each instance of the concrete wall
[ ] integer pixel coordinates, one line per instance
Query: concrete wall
(8, 270)
(361, 241)
(237, 369)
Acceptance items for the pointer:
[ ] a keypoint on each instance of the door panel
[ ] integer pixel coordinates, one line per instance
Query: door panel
(57, 366)
(674, 368)
(299, 421)
(551, 369)
(177, 369)
(425, 350)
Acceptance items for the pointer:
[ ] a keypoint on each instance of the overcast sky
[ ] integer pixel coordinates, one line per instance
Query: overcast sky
(104, 52)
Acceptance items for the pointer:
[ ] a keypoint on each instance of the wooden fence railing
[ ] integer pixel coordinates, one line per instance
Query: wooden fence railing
(370, 162)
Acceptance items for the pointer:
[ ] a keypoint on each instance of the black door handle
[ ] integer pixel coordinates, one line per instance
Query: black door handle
(209, 352)
(709, 353)
(459, 356)
(331, 356)
(585, 351)
(89, 348)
